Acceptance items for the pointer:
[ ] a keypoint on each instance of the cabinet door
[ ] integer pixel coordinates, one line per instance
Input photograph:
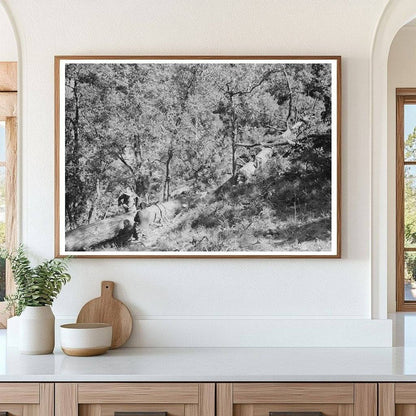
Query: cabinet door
(297, 399)
(397, 399)
(143, 399)
(26, 399)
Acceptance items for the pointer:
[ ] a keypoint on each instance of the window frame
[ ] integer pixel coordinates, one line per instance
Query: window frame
(403, 96)
(8, 113)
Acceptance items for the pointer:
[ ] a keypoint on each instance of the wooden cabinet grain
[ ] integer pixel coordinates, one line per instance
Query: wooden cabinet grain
(397, 399)
(105, 399)
(331, 399)
(27, 399)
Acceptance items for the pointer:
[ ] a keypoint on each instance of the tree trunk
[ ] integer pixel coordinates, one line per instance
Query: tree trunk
(166, 185)
(75, 152)
(93, 210)
(233, 131)
(234, 147)
(86, 236)
(289, 87)
(117, 227)
(73, 162)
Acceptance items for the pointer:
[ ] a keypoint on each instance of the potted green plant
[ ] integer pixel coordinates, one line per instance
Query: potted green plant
(36, 289)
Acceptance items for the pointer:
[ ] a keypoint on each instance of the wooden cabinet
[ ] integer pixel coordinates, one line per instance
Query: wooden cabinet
(108, 399)
(27, 399)
(208, 399)
(397, 399)
(297, 399)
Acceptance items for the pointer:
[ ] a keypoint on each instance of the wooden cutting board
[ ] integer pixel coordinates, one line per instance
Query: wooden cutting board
(107, 309)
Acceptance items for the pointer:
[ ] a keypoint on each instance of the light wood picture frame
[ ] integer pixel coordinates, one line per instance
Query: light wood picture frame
(198, 156)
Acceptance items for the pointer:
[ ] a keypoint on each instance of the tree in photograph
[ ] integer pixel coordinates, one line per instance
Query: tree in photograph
(92, 161)
(73, 178)
(172, 101)
(237, 84)
(129, 140)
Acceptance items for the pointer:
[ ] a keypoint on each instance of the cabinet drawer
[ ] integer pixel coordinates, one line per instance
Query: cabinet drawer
(22, 399)
(138, 393)
(153, 399)
(19, 393)
(143, 409)
(297, 399)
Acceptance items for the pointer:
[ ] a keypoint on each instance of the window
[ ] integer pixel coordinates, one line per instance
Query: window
(406, 199)
(8, 170)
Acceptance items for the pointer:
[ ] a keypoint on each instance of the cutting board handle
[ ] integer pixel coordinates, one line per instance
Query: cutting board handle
(107, 289)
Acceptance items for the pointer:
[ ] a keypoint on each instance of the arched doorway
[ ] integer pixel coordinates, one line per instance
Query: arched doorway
(396, 14)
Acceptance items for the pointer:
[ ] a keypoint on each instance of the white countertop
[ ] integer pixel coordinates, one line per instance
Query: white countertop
(213, 364)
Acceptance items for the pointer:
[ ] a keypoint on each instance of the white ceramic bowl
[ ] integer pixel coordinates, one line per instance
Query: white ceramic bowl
(83, 340)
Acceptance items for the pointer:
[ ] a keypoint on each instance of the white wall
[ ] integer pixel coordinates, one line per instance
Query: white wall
(183, 300)
(8, 47)
(401, 74)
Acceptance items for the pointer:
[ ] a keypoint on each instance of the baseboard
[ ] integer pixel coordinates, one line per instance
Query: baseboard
(251, 332)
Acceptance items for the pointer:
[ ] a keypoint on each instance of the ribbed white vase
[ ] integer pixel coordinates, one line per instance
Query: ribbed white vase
(37, 330)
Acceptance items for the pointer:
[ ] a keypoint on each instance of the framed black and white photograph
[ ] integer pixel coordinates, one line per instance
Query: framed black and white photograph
(198, 156)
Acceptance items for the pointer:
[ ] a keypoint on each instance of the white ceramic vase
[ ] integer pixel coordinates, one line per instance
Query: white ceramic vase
(13, 331)
(37, 330)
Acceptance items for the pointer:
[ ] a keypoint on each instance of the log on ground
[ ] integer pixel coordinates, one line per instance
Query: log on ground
(89, 235)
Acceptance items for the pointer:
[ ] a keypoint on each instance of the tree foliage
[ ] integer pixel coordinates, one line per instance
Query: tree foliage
(410, 206)
(157, 128)
(410, 192)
